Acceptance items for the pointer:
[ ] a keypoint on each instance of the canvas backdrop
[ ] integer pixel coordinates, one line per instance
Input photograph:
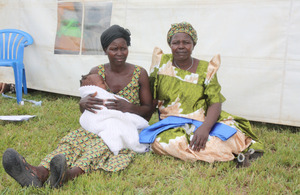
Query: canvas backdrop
(259, 43)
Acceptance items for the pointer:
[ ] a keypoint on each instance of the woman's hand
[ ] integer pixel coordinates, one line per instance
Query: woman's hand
(90, 103)
(200, 138)
(118, 104)
(201, 134)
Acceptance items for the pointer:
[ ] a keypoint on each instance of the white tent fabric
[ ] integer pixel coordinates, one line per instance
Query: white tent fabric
(259, 43)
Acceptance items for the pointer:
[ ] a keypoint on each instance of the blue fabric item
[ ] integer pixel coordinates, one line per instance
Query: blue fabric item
(149, 134)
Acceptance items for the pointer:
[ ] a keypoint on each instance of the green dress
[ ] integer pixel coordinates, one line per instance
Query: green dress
(185, 94)
(88, 151)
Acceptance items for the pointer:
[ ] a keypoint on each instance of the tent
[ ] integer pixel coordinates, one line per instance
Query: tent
(259, 43)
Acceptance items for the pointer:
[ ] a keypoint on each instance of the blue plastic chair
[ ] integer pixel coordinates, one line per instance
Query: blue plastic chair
(12, 43)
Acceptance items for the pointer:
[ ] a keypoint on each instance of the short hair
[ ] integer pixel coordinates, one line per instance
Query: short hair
(86, 78)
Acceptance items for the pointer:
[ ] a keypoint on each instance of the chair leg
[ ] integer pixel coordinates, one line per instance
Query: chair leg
(18, 72)
(24, 82)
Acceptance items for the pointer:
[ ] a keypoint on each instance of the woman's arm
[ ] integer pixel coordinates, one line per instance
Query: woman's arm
(154, 105)
(145, 95)
(201, 134)
(90, 102)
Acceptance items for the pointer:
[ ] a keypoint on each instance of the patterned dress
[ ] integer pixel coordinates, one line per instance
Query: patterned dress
(184, 94)
(87, 150)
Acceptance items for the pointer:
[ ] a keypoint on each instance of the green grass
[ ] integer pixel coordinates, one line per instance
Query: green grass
(277, 172)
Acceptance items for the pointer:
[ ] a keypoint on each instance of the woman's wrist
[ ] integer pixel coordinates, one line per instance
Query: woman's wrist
(81, 108)
(206, 127)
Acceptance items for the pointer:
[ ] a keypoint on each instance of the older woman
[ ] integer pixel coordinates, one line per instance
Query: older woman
(81, 151)
(187, 93)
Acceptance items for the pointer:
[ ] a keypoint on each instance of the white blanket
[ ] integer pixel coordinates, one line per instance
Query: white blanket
(117, 129)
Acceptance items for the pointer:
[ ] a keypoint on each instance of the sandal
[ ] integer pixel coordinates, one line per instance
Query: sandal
(257, 154)
(16, 166)
(58, 171)
(245, 159)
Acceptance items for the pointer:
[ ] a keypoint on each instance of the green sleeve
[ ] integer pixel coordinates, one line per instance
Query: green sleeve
(213, 92)
(153, 82)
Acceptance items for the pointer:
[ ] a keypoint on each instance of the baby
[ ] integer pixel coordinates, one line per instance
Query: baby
(117, 129)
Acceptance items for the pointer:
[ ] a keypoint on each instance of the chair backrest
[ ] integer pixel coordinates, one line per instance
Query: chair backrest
(12, 43)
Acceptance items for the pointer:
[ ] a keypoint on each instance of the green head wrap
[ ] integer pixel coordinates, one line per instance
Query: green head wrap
(183, 27)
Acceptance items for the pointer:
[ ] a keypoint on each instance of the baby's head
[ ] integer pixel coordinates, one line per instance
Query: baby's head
(92, 79)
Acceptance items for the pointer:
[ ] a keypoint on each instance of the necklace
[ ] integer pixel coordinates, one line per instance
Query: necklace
(188, 67)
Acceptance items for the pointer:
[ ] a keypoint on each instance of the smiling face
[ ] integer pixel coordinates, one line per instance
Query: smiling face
(117, 51)
(182, 46)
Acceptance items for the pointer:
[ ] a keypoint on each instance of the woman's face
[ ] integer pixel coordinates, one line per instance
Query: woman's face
(182, 46)
(117, 51)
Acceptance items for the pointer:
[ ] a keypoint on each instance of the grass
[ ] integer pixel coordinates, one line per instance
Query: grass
(277, 172)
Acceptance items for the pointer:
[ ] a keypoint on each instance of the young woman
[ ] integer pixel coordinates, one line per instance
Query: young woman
(81, 151)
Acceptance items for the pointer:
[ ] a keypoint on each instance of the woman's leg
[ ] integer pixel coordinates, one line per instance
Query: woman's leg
(70, 174)
(41, 172)
(74, 172)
